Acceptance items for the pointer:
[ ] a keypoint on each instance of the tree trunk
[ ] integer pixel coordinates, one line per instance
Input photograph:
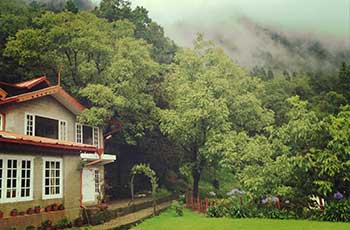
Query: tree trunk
(196, 177)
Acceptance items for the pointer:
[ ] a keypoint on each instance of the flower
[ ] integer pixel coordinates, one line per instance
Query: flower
(274, 199)
(234, 191)
(264, 201)
(287, 202)
(338, 196)
(212, 193)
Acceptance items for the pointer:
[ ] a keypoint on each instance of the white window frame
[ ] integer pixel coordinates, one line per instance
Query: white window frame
(26, 121)
(18, 197)
(94, 130)
(34, 115)
(81, 133)
(2, 119)
(60, 194)
(65, 138)
(97, 180)
(94, 141)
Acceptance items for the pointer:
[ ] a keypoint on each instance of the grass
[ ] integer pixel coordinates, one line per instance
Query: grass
(194, 221)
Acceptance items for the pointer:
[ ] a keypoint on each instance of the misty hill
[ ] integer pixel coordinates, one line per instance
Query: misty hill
(251, 44)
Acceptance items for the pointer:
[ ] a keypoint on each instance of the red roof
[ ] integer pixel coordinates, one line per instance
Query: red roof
(10, 137)
(28, 84)
(56, 91)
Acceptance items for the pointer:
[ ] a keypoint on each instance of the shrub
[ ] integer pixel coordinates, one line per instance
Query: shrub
(337, 211)
(217, 211)
(281, 214)
(63, 223)
(178, 207)
(47, 224)
(239, 212)
(30, 227)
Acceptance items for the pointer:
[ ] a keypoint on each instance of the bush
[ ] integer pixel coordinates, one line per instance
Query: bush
(281, 214)
(30, 227)
(178, 207)
(239, 212)
(337, 211)
(217, 211)
(162, 192)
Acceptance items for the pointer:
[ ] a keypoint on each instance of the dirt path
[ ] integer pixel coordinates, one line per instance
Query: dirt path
(130, 218)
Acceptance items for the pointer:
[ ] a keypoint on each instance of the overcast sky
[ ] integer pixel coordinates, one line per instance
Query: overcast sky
(320, 16)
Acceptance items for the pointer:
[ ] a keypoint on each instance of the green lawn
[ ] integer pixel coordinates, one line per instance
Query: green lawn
(193, 221)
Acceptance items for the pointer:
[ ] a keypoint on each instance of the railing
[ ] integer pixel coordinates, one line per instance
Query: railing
(198, 204)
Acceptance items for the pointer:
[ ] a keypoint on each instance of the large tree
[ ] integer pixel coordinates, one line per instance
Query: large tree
(202, 89)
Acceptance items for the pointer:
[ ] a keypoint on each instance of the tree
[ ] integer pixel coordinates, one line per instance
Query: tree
(70, 6)
(81, 42)
(126, 94)
(163, 49)
(201, 87)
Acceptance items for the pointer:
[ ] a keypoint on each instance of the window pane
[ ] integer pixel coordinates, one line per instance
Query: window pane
(87, 135)
(52, 177)
(46, 127)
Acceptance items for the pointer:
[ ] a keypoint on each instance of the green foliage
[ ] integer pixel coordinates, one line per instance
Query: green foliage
(146, 169)
(70, 6)
(337, 211)
(216, 211)
(178, 207)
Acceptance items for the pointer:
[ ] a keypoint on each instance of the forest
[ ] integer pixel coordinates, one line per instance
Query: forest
(199, 119)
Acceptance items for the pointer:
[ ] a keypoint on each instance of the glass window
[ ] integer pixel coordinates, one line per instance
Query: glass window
(79, 133)
(96, 136)
(29, 125)
(52, 178)
(15, 179)
(97, 181)
(63, 130)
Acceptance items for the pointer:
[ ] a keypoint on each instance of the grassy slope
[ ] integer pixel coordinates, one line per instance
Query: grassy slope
(193, 221)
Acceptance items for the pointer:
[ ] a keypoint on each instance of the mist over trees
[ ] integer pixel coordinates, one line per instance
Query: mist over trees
(273, 126)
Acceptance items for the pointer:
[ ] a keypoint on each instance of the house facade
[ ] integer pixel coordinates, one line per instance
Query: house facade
(46, 156)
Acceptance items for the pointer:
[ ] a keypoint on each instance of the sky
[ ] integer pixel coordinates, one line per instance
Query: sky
(330, 17)
(319, 16)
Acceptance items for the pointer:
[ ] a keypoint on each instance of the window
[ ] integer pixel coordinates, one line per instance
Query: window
(52, 187)
(79, 133)
(45, 127)
(63, 131)
(2, 119)
(16, 181)
(96, 136)
(29, 125)
(87, 135)
(97, 181)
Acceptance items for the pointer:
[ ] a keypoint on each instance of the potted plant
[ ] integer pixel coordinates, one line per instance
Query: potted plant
(54, 207)
(1, 215)
(21, 213)
(13, 212)
(46, 225)
(37, 209)
(30, 211)
(48, 208)
(61, 207)
(63, 223)
(78, 222)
